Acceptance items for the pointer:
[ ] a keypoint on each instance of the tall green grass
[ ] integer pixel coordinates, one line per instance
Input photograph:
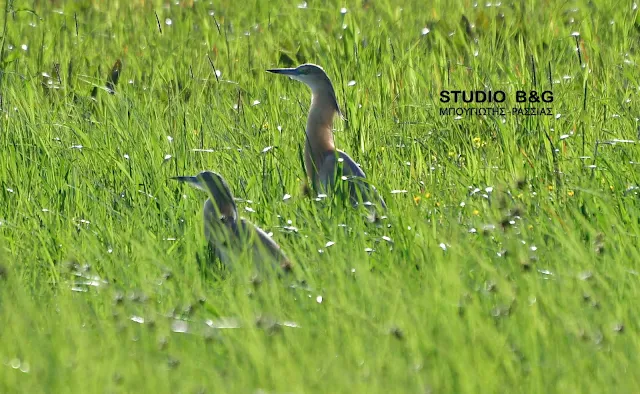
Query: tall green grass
(508, 261)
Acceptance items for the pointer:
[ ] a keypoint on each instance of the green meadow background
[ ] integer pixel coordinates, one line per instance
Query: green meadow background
(508, 260)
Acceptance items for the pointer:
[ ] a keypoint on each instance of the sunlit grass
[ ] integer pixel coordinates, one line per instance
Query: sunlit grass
(508, 261)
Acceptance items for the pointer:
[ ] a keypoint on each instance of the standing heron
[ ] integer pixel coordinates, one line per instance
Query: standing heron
(226, 232)
(321, 158)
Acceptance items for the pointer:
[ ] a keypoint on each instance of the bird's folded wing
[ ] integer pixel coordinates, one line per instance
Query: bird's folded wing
(262, 240)
(349, 166)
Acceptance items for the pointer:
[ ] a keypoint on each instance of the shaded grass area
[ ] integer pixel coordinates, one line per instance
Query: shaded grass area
(507, 261)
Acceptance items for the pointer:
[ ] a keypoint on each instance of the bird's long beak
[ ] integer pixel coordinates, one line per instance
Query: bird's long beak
(191, 180)
(285, 71)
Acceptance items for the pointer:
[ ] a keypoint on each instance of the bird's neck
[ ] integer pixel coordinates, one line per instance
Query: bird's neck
(319, 131)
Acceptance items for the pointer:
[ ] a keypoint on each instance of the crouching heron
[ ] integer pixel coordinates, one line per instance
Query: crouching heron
(229, 234)
(321, 158)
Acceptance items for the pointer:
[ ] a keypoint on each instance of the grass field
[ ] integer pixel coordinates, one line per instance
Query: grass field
(508, 261)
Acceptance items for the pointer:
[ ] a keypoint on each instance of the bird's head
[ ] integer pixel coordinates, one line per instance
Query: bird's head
(313, 76)
(217, 189)
(309, 74)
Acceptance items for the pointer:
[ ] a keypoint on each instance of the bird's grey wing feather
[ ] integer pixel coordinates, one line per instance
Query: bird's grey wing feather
(349, 166)
(265, 248)
(355, 170)
(351, 169)
(329, 164)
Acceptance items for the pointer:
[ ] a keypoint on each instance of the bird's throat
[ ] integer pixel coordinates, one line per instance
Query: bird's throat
(319, 132)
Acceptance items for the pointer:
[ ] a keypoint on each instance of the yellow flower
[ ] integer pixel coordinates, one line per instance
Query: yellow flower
(477, 142)
(570, 193)
(416, 199)
(452, 153)
(530, 227)
(476, 212)
(437, 204)
(611, 187)
(550, 187)
(428, 195)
